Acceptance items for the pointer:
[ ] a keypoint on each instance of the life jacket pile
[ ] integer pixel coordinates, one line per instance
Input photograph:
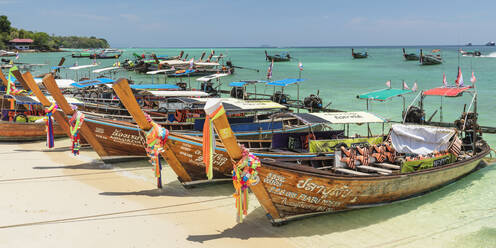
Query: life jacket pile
(365, 155)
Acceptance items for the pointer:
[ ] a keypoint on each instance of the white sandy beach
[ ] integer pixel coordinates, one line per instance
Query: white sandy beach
(53, 199)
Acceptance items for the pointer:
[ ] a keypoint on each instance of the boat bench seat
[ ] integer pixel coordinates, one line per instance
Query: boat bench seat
(351, 172)
(388, 166)
(375, 169)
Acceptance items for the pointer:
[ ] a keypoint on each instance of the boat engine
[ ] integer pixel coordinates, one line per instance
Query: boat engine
(414, 115)
(470, 126)
(279, 97)
(182, 85)
(237, 92)
(313, 101)
(208, 88)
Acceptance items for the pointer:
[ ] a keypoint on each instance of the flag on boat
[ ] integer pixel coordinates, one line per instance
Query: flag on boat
(388, 84)
(405, 86)
(300, 65)
(473, 79)
(444, 80)
(459, 78)
(414, 87)
(191, 62)
(269, 71)
(436, 50)
(17, 55)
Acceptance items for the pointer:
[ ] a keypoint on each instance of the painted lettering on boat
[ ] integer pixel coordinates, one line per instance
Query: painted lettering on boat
(274, 179)
(99, 130)
(130, 139)
(218, 159)
(342, 191)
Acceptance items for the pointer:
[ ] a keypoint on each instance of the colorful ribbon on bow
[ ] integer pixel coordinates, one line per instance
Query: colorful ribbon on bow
(49, 124)
(245, 174)
(11, 89)
(75, 123)
(209, 140)
(155, 141)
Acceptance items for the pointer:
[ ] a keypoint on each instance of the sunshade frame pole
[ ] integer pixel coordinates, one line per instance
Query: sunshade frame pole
(441, 111)
(411, 104)
(298, 94)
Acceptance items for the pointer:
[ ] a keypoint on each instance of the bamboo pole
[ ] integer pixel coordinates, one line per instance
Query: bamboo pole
(86, 132)
(122, 89)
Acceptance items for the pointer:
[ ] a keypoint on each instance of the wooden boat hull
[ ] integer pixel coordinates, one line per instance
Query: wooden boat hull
(431, 60)
(411, 57)
(21, 131)
(360, 55)
(299, 192)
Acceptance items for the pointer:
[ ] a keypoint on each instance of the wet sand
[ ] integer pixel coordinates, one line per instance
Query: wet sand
(53, 199)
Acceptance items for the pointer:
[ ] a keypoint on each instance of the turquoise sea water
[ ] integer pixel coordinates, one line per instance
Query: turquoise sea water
(337, 77)
(459, 215)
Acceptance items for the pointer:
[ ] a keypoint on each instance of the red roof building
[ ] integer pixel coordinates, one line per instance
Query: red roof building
(20, 44)
(17, 40)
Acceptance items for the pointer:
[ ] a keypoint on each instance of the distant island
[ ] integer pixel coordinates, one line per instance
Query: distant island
(22, 40)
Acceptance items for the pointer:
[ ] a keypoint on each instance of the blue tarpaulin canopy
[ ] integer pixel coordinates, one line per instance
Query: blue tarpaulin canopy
(286, 82)
(384, 94)
(92, 82)
(156, 86)
(243, 83)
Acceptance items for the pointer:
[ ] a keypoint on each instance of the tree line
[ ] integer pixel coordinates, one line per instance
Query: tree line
(44, 41)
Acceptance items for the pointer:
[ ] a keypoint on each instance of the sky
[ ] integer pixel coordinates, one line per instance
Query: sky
(234, 23)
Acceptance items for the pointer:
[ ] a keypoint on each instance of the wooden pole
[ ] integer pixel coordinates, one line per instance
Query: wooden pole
(86, 132)
(122, 89)
(226, 135)
(4, 80)
(59, 117)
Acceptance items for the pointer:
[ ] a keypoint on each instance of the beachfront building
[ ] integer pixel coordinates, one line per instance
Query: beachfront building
(20, 44)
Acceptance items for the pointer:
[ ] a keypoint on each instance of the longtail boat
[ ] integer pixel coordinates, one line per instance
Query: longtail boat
(359, 55)
(284, 56)
(409, 164)
(431, 59)
(410, 56)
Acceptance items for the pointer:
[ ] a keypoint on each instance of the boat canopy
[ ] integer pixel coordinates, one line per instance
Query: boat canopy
(179, 93)
(243, 83)
(339, 118)
(62, 83)
(210, 77)
(420, 139)
(206, 63)
(285, 82)
(82, 67)
(174, 62)
(106, 69)
(159, 71)
(446, 91)
(155, 87)
(384, 94)
(183, 73)
(32, 100)
(238, 104)
(93, 82)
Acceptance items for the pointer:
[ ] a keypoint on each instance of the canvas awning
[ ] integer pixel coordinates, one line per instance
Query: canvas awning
(82, 67)
(158, 71)
(243, 83)
(106, 69)
(238, 104)
(420, 139)
(446, 91)
(92, 82)
(179, 93)
(155, 86)
(285, 82)
(210, 77)
(339, 118)
(384, 94)
(62, 83)
(206, 64)
(174, 62)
